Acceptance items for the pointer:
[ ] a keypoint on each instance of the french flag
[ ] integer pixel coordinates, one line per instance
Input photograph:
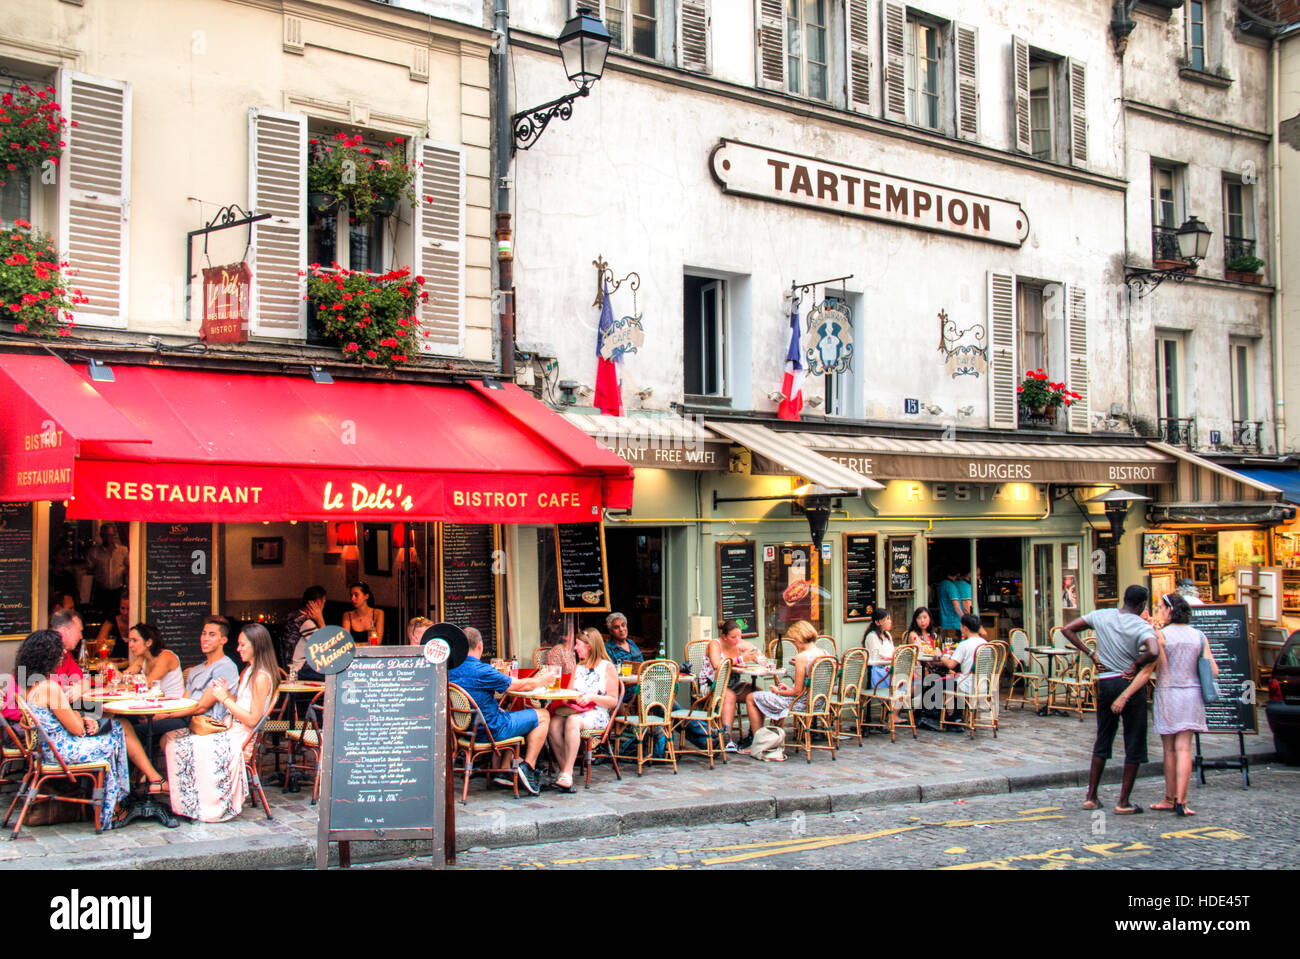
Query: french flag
(609, 391)
(792, 384)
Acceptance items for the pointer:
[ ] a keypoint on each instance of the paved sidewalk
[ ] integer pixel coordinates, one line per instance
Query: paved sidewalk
(1031, 752)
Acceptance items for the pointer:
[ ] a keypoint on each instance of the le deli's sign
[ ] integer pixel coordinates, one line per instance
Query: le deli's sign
(770, 174)
(226, 294)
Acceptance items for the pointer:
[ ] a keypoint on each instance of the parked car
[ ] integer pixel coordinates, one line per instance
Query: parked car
(1283, 706)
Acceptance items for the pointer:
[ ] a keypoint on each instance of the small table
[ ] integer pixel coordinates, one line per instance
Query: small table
(142, 807)
(752, 674)
(549, 695)
(104, 696)
(1051, 653)
(300, 686)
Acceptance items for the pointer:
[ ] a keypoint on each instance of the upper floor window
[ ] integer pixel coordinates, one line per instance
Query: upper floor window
(664, 30)
(705, 336)
(1049, 106)
(931, 71)
(1238, 221)
(1196, 45)
(807, 48)
(840, 384)
(1042, 108)
(633, 26)
(923, 46)
(1166, 210)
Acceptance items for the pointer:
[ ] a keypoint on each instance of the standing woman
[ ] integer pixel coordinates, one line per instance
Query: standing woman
(363, 621)
(729, 645)
(208, 778)
(597, 682)
(921, 631)
(1178, 710)
(879, 643)
(151, 657)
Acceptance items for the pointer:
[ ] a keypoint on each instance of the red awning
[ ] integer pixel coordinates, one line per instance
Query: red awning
(230, 447)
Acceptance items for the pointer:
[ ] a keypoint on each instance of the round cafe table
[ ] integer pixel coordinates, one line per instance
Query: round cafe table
(300, 686)
(1051, 654)
(146, 806)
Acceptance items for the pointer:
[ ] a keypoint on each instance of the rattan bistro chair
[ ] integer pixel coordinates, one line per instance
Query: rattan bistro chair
(1077, 686)
(827, 645)
(13, 754)
(848, 697)
(710, 716)
(653, 713)
(783, 651)
(306, 738)
(597, 740)
(696, 650)
(1023, 674)
(983, 697)
(467, 723)
(41, 771)
(894, 693)
(820, 682)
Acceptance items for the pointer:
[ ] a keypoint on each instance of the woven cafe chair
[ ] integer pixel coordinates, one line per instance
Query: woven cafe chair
(1077, 686)
(306, 738)
(696, 650)
(827, 645)
(1023, 674)
(596, 740)
(41, 771)
(982, 699)
(539, 657)
(893, 690)
(275, 728)
(783, 651)
(710, 716)
(468, 724)
(848, 697)
(820, 684)
(653, 713)
(13, 752)
(252, 753)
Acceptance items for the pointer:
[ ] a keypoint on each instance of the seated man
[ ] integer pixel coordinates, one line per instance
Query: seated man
(483, 684)
(309, 618)
(963, 656)
(199, 679)
(622, 650)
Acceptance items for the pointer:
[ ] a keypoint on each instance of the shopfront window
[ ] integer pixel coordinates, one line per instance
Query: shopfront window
(794, 588)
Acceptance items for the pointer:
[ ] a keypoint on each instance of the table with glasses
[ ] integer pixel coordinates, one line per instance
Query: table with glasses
(148, 806)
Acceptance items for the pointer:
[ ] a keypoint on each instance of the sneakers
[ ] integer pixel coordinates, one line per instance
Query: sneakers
(528, 778)
(732, 747)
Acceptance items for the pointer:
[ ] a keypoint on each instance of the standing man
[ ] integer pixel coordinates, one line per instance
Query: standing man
(965, 593)
(109, 561)
(622, 650)
(309, 618)
(950, 608)
(1126, 642)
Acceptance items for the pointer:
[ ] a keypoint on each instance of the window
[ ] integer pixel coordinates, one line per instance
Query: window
(705, 336)
(634, 26)
(1239, 357)
(1196, 35)
(923, 50)
(1168, 404)
(1042, 108)
(807, 48)
(1238, 223)
(1032, 328)
(1050, 104)
(653, 29)
(1166, 210)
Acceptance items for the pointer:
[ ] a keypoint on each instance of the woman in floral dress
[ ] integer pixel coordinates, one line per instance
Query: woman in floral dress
(207, 775)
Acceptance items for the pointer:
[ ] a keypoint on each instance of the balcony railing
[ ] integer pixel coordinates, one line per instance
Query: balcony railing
(1164, 243)
(1237, 246)
(1177, 432)
(1248, 435)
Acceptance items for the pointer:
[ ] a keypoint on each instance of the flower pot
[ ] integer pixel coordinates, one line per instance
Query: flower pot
(1238, 276)
(384, 206)
(1175, 265)
(319, 202)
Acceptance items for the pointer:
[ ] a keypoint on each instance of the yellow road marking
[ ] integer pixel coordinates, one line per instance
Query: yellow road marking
(755, 845)
(955, 851)
(957, 823)
(569, 862)
(1206, 832)
(800, 847)
(1030, 812)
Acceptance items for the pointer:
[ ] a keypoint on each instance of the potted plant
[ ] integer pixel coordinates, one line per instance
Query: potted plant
(34, 295)
(32, 126)
(1244, 269)
(1042, 399)
(370, 316)
(346, 170)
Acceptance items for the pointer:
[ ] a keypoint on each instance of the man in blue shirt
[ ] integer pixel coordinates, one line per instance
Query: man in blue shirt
(950, 605)
(483, 684)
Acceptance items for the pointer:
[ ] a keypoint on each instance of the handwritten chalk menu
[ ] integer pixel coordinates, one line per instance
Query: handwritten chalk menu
(738, 585)
(580, 557)
(178, 571)
(900, 565)
(1105, 581)
(859, 575)
(15, 569)
(470, 591)
(1225, 628)
(384, 764)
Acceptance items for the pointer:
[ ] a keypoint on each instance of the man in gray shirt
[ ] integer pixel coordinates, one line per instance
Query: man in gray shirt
(198, 683)
(1126, 642)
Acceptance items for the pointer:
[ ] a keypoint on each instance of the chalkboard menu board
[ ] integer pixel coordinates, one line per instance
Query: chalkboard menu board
(1225, 628)
(15, 569)
(470, 589)
(900, 565)
(1105, 571)
(738, 585)
(384, 765)
(580, 557)
(178, 565)
(859, 576)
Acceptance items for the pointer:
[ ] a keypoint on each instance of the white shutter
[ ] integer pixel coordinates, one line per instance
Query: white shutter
(1076, 362)
(694, 46)
(95, 194)
(965, 41)
(894, 20)
(769, 15)
(858, 40)
(277, 184)
(440, 245)
(1078, 76)
(595, 6)
(1020, 96)
(1003, 401)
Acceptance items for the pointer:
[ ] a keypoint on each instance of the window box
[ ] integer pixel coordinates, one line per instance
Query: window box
(1238, 276)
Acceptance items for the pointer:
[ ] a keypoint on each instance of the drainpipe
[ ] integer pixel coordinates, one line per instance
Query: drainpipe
(501, 173)
(1279, 274)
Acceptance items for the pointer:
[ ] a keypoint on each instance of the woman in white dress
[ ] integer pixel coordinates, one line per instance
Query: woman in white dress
(778, 701)
(597, 682)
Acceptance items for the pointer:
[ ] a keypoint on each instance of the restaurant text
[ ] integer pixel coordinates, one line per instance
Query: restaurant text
(177, 493)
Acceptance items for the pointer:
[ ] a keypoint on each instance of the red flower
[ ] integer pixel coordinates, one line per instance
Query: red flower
(20, 327)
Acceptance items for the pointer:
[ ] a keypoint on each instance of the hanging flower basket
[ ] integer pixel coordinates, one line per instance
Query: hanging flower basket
(31, 131)
(34, 294)
(370, 316)
(370, 181)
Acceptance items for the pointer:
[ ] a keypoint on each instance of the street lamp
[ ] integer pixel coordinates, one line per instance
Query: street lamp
(584, 45)
(1193, 242)
(1117, 502)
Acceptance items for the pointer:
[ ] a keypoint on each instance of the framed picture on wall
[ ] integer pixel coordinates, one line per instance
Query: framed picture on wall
(1159, 549)
(1205, 544)
(1162, 583)
(268, 551)
(1201, 571)
(377, 551)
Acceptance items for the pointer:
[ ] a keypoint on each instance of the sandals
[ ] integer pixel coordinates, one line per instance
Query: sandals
(158, 786)
(564, 783)
(1091, 804)
(1133, 809)
(1180, 809)
(1168, 804)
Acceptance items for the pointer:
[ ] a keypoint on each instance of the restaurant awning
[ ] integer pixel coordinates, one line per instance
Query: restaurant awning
(1286, 480)
(658, 440)
(785, 450)
(232, 447)
(1203, 481)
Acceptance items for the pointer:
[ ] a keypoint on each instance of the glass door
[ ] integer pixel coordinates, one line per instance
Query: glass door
(1054, 588)
(1042, 593)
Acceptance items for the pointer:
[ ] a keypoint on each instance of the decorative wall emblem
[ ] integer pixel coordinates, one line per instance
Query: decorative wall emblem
(965, 351)
(828, 345)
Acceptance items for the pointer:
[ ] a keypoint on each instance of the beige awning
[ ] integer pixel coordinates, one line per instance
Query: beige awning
(658, 440)
(785, 449)
(1201, 481)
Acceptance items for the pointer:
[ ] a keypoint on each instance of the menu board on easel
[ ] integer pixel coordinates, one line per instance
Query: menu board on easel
(469, 583)
(178, 571)
(859, 576)
(580, 558)
(738, 585)
(1225, 628)
(16, 598)
(900, 565)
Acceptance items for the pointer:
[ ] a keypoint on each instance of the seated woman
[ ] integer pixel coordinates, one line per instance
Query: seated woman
(151, 658)
(415, 630)
(729, 645)
(921, 631)
(597, 681)
(777, 702)
(365, 623)
(208, 778)
(115, 628)
(80, 739)
(879, 643)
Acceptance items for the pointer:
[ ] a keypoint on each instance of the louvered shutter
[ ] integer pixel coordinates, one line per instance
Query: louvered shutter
(1079, 414)
(1020, 94)
(770, 43)
(1078, 76)
(595, 6)
(894, 19)
(440, 246)
(858, 39)
(1003, 402)
(965, 44)
(598, 8)
(95, 194)
(277, 184)
(694, 45)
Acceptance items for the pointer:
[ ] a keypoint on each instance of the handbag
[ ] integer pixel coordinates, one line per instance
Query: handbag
(1205, 673)
(205, 725)
(768, 745)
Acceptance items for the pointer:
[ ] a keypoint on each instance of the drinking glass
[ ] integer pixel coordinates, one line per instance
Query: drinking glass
(557, 677)
(155, 691)
(625, 669)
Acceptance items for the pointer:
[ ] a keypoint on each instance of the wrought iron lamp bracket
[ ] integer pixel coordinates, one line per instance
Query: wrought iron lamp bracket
(605, 277)
(528, 125)
(224, 219)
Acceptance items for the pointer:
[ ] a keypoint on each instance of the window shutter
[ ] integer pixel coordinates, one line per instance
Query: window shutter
(1076, 364)
(965, 43)
(858, 38)
(769, 53)
(277, 184)
(1020, 86)
(694, 49)
(1078, 75)
(1003, 402)
(95, 193)
(595, 6)
(440, 245)
(894, 18)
